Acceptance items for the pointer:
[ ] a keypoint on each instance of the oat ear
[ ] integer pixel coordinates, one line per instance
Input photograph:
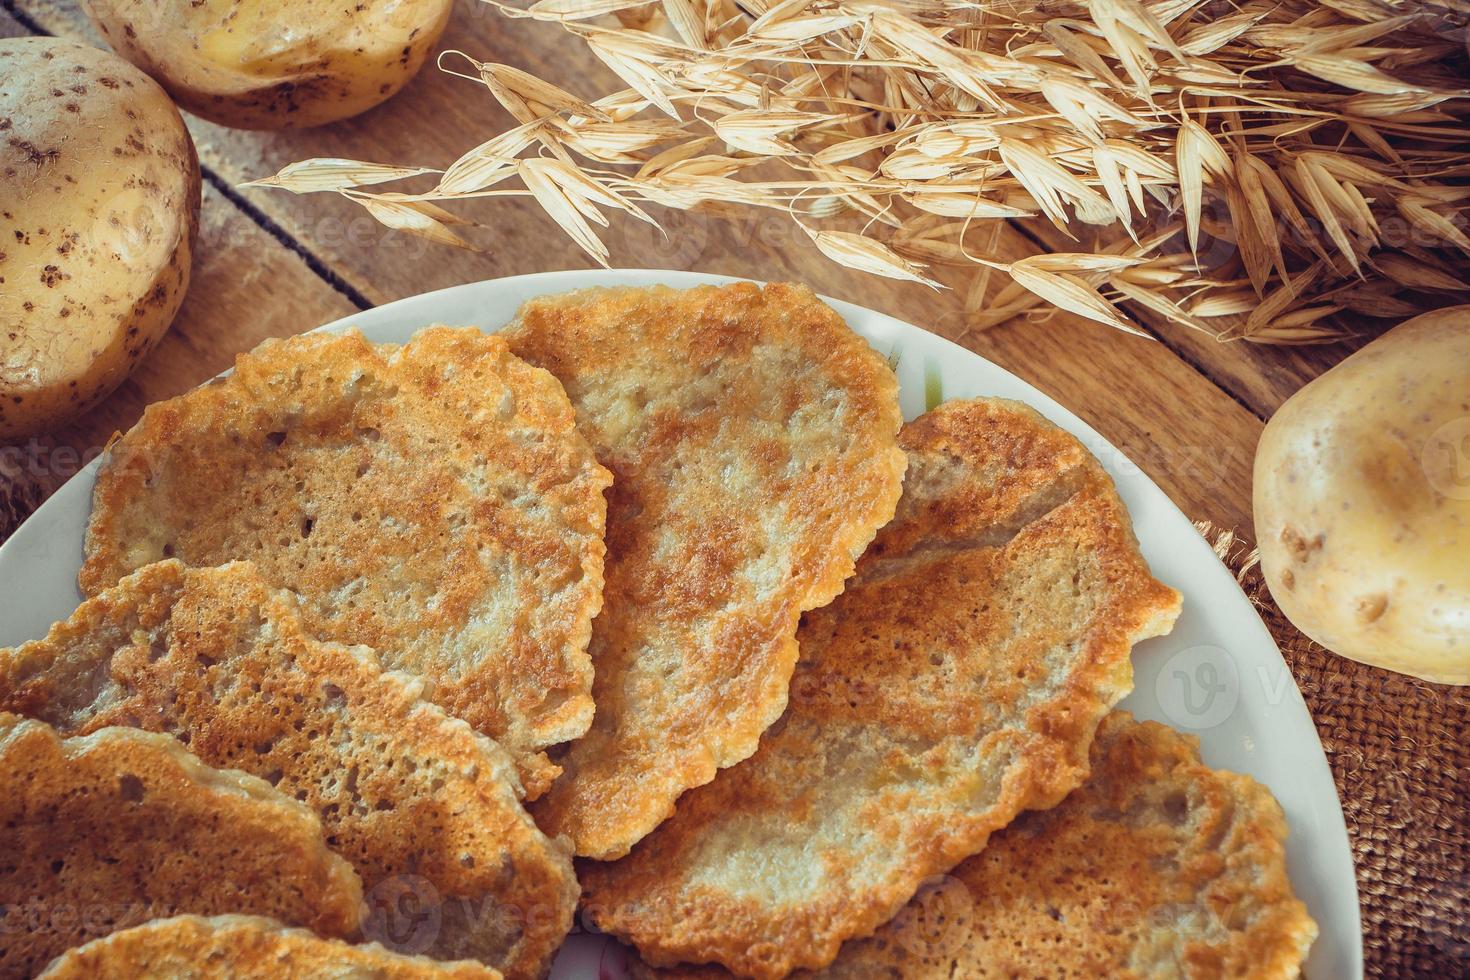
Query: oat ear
(1291, 133)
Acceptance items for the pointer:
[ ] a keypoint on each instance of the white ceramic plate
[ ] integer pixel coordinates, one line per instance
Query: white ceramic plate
(1218, 675)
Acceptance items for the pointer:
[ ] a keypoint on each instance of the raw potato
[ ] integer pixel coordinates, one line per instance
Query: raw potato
(1362, 502)
(99, 204)
(264, 64)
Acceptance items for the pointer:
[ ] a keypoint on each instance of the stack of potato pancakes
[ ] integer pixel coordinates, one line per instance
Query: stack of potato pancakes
(394, 656)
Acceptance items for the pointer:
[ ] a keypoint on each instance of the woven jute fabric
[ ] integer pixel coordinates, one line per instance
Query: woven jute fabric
(1399, 753)
(1398, 750)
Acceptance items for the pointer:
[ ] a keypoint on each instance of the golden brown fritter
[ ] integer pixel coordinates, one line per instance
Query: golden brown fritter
(433, 501)
(243, 947)
(752, 438)
(956, 682)
(104, 832)
(1158, 866)
(422, 806)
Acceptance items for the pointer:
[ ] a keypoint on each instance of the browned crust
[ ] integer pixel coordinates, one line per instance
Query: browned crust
(242, 947)
(433, 501)
(752, 437)
(955, 683)
(409, 795)
(1156, 866)
(123, 826)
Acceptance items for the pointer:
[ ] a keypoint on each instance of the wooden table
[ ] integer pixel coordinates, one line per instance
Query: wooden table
(1186, 408)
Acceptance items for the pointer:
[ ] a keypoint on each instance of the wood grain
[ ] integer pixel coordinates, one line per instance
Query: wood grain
(1187, 434)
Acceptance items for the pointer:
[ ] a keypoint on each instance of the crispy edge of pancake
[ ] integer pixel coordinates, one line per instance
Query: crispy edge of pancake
(250, 404)
(1050, 885)
(191, 947)
(141, 776)
(622, 782)
(1150, 799)
(166, 649)
(1042, 486)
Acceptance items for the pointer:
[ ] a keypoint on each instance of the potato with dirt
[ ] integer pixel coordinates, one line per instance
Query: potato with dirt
(99, 208)
(254, 64)
(1362, 502)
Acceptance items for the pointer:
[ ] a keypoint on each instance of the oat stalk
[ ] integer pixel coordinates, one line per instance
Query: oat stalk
(1255, 170)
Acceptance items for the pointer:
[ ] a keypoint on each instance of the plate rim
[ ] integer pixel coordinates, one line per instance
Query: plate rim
(1348, 959)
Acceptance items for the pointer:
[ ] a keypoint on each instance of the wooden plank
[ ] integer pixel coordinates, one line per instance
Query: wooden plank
(1194, 440)
(435, 119)
(1261, 375)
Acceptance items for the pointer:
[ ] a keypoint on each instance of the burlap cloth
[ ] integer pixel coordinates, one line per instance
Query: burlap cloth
(1398, 751)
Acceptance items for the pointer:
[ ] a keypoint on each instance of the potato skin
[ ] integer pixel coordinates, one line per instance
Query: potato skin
(99, 208)
(263, 64)
(1362, 502)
